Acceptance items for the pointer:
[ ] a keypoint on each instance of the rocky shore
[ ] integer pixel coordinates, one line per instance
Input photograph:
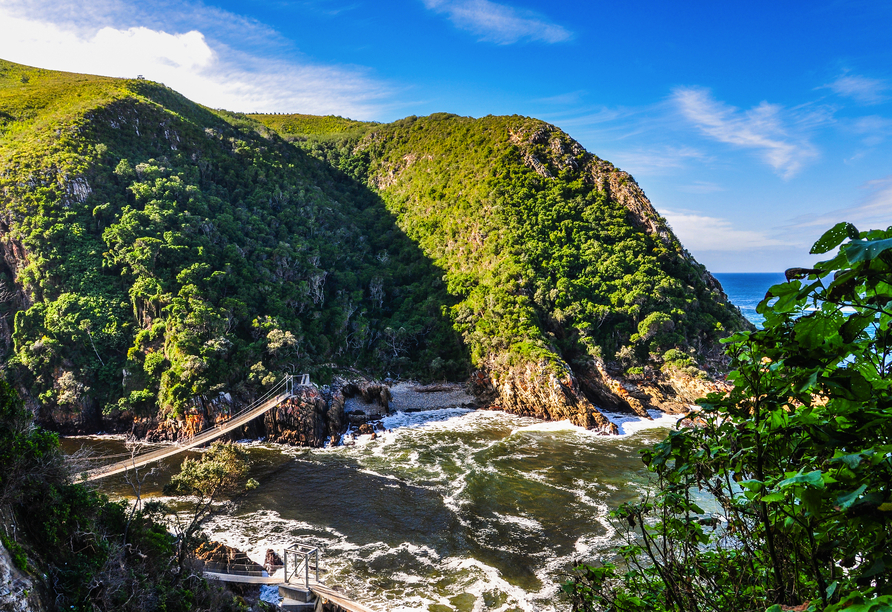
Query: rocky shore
(321, 415)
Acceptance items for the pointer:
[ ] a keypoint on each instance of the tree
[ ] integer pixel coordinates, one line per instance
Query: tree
(780, 497)
(221, 470)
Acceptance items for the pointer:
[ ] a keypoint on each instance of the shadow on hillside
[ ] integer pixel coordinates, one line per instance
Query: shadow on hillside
(417, 300)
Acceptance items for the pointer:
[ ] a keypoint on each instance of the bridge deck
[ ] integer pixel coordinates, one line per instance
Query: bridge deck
(245, 579)
(338, 598)
(202, 438)
(318, 588)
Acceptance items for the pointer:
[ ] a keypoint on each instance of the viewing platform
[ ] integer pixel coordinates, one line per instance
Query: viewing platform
(299, 584)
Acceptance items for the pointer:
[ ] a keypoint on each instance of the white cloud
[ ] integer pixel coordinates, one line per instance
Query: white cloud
(861, 89)
(657, 159)
(702, 233)
(765, 128)
(499, 23)
(873, 211)
(190, 62)
(874, 128)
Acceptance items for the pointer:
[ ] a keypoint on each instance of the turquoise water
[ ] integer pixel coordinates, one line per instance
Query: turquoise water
(746, 290)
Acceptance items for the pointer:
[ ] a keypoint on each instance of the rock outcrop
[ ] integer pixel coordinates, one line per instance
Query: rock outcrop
(17, 589)
(303, 420)
(219, 557)
(539, 390)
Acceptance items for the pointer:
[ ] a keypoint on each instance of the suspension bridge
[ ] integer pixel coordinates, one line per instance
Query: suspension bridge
(284, 390)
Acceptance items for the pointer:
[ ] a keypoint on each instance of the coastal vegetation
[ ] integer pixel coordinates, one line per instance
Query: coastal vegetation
(82, 551)
(779, 497)
(158, 253)
(547, 262)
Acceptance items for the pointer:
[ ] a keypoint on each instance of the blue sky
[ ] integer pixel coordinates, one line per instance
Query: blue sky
(752, 128)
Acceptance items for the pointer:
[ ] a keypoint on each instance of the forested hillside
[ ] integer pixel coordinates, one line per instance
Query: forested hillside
(157, 253)
(558, 259)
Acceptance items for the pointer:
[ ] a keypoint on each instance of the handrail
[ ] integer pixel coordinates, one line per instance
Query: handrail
(263, 404)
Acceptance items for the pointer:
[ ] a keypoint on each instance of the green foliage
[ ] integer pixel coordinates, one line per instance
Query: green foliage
(222, 469)
(546, 266)
(19, 558)
(94, 554)
(157, 234)
(782, 495)
(27, 454)
(171, 252)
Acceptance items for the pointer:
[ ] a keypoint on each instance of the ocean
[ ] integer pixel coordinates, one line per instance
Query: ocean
(746, 290)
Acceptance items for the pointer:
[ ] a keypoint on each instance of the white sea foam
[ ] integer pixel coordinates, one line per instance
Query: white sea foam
(270, 594)
(100, 436)
(629, 425)
(432, 450)
(423, 418)
(520, 521)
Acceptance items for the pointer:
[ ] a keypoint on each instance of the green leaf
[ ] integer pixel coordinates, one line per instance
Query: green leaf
(852, 461)
(833, 237)
(845, 501)
(832, 589)
(774, 497)
(854, 326)
(812, 478)
(877, 568)
(865, 250)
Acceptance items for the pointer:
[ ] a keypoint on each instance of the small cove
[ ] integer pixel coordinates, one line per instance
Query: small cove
(453, 509)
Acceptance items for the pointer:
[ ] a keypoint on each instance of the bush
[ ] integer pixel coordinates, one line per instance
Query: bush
(781, 499)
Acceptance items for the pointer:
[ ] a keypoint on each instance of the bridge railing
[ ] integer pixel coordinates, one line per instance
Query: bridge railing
(284, 387)
(300, 561)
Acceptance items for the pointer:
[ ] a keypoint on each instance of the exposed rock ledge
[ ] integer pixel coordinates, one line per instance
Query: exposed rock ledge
(321, 415)
(553, 392)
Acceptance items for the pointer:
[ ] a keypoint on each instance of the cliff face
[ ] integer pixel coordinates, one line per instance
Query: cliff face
(538, 391)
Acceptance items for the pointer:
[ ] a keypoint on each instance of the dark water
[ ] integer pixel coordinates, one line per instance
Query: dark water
(453, 510)
(746, 290)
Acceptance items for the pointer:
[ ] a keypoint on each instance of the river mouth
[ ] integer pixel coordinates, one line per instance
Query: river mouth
(453, 509)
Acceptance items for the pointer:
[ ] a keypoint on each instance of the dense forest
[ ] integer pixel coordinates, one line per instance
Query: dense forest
(158, 253)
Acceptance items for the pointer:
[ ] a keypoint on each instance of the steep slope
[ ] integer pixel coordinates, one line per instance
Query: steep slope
(156, 254)
(565, 273)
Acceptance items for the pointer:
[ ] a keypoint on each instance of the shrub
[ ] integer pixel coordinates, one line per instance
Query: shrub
(797, 460)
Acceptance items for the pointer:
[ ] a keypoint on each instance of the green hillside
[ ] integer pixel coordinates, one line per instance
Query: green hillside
(157, 253)
(556, 256)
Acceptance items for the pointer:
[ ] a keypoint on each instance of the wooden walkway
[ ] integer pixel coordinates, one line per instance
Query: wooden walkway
(319, 589)
(242, 418)
(240, 579)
